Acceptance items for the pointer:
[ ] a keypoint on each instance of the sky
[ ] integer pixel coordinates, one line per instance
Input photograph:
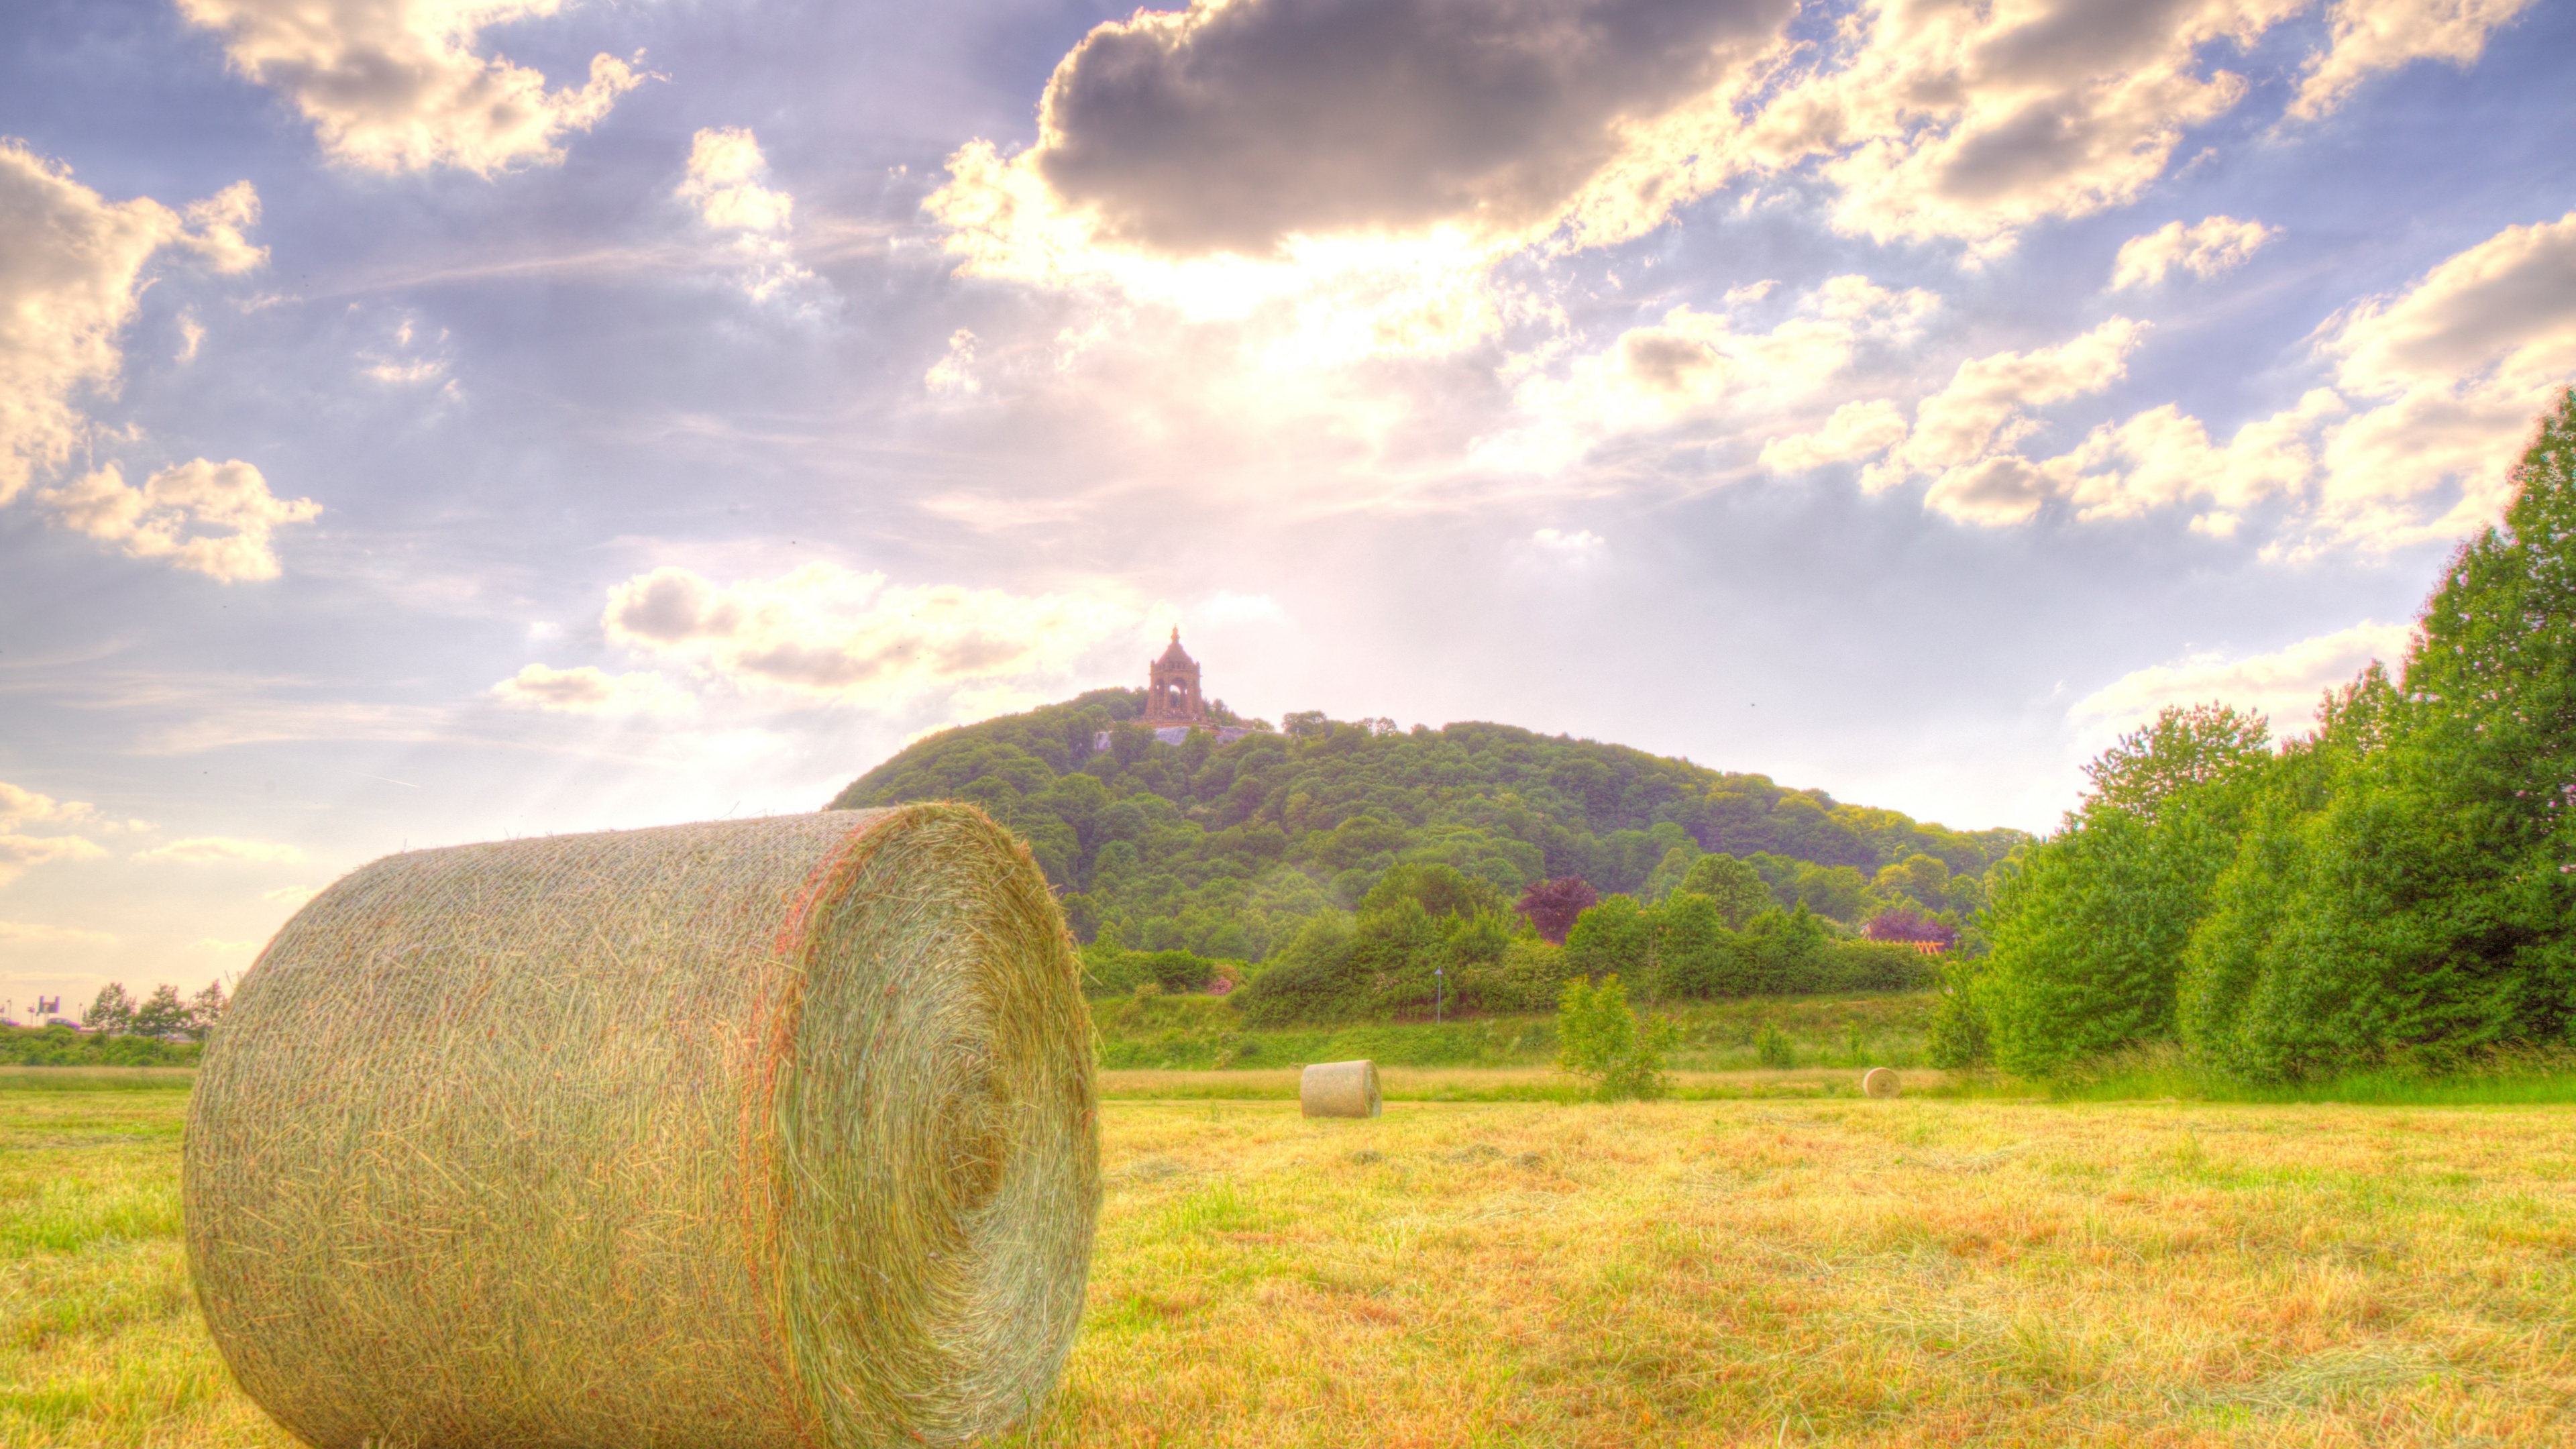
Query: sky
(428, 421)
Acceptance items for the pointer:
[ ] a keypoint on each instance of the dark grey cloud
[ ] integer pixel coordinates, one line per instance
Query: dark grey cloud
(1234, 125)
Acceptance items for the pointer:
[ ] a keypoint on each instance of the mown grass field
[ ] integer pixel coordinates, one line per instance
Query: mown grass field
(1760, 1271)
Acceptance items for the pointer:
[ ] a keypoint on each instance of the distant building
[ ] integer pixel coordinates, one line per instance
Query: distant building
(1173, 704)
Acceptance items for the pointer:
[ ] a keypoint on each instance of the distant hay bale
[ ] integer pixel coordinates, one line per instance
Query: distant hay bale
(762, 1133)
(1340, 1089)
(1880, 1082)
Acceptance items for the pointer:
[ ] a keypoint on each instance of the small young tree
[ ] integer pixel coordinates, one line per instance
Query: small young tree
(1599, 1037)
(112, 1011)
(161, 1014)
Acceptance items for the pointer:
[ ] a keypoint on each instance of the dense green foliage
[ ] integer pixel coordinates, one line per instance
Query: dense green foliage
(60, 1046)
(1238, 852)
(2088, 936)
(2396, 889)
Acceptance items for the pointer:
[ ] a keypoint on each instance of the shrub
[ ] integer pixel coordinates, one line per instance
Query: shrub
(1528, 976)
(1599, 1037)
(1772, 1048)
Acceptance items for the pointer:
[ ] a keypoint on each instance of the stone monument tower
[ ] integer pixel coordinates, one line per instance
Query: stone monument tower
(1172, 691)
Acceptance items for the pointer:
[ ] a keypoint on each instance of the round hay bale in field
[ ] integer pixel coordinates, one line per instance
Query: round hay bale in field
(1340, 1089)
(1880, 1082)
(759, 1133)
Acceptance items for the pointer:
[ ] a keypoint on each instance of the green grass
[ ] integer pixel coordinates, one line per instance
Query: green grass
(2502, 1079)
(97, 1079)
(1206, 1033)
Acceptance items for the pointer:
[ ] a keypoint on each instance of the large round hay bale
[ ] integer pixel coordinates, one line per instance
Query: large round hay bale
(1880, 1082)
(762, 1133)
(1340, 1089)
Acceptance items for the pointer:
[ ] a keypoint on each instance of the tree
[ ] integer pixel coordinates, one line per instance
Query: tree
(1836, 891)
(1922, 879)
(1440, 889)
(1905, 923)
(1736, 887)
(1552, 906)
(112, 1011)
(2088, 936)
(1599, 1037)
(2408, 893)
(2178, 759)
(1615, 937)
(161, 1014)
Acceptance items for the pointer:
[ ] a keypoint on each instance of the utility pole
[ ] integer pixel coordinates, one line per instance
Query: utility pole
(1440, 998)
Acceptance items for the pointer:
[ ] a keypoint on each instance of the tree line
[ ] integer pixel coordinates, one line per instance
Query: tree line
(2396, 888)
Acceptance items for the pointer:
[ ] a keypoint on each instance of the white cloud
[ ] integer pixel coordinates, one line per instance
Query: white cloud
(2370, 36)
(1971, 122)
(209, 518)
(723, 184)
(1855, 430)
(221, 850)
(20, 853)
(31, 933)
(822, 632)
(75, 266)
(587, 690)
(2162, 458)
(2285, 684)
(1963, 434)
(407, 374)
(1580, 546)
(398, 85)
(290, 895)
(191, 334)
(954, 372)
(2212, 245)
(1696, 365)
(19, 806)
(2436, 391)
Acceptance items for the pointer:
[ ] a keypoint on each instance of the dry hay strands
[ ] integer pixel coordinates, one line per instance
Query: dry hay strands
(1340, 1089)
(761, 1133)
(1880, 1082)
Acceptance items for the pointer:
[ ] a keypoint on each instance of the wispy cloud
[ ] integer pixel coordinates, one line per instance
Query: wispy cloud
(221, 850)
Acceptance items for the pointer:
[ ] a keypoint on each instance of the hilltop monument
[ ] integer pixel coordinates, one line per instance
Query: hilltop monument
(1174, 705)
(1172, 690)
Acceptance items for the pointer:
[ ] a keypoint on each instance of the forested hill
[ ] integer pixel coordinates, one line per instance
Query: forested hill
(1223, 850)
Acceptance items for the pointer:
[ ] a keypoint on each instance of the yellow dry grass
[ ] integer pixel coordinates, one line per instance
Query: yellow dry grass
(1758, 1272)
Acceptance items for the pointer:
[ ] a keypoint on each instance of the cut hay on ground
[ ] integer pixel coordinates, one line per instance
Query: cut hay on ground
(1880, 1082)
(1340, 1089)
(761, 1133)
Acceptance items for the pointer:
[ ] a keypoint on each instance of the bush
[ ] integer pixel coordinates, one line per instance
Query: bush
(1599, 1037)
(1772, 1048)
(1529, 976)
(60, 1046)
(1111, 971)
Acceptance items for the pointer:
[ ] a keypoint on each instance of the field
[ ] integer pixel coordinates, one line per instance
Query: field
(1759, 1271)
